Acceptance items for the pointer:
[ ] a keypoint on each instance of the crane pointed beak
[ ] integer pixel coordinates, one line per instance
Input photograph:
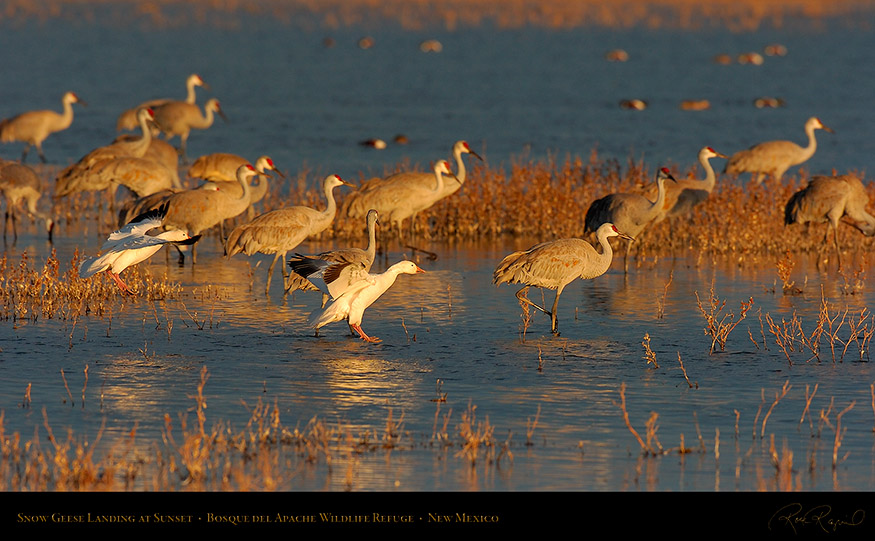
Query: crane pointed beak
(471, 152)
(278, 172)
(828, 129)
(721, 155)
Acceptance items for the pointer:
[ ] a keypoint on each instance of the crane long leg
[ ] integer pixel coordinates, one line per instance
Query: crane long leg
(521, 295)
(835, 232)
(554, 318)
(270, 272)
(626, 257)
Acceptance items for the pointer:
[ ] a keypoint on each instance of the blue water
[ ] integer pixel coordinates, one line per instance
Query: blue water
(513, 95)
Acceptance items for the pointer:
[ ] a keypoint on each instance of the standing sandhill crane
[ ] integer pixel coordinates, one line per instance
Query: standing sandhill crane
(18, 183)
(282, 230)
(369, 195)
(219, 170)
(828, 199)
(343, 267)
(684, 194)
(352, 303)
(179, 118)
(81, 176)
(127, 121)
(33, 127)
(198, 210)
(774, 157)
(556, 264)
(631, 212)
(131, 245)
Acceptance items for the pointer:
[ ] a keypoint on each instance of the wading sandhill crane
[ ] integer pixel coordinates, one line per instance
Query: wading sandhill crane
(81, 176)
(682, 195)
(131, 245)
(33, 127)
(556, 264)
(353, 302)
(396, 202)
(630, 212)
(341, 268)
(179, 118)
(370, 194)
(18, 183)
(282, 230)
(775, 157)
(198, 210)
(127, 121)
(828, 199)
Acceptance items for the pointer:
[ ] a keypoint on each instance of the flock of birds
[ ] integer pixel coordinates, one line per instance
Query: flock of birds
(163, 212)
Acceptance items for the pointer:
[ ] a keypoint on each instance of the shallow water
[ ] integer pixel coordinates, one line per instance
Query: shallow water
(514, 95)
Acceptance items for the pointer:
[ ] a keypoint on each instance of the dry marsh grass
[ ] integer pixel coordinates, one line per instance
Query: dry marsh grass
(739, 15)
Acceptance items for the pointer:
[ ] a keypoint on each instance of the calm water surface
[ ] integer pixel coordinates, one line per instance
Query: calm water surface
(526, 93)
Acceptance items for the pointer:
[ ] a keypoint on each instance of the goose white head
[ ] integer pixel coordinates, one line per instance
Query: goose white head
(407, 267)
(175, 235)
(814, 123)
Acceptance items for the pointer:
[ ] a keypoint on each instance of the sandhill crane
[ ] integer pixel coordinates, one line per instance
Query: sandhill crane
(33, 127)
(18, 183)
(161, 152)
(372, 193)
(282, 230)
(556, 264)
(343, 267)
(128, 119)
(131, 245)
(828, 199)
(140, 175)
(198, 210)
(219, 169)
(631, 212)
(775, 157)
(179, 118)
(81, 176)
(682, 195)
(352, 303)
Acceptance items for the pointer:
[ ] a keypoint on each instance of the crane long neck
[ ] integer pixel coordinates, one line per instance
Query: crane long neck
(710, 176)
(206, 120)
(604, 259)
(139, 147)
(439, 181)
(67, 115)
(192, 95)
(371, 249)
(331, 209)
(244, 183)
(660, 194)
(812, 142)
(460, 166)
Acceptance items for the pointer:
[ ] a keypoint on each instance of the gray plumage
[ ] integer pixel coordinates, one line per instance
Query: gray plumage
(34, 127)
(775, 157)
(630, 212)
(828, 199)
(555, 264)
(18, 183)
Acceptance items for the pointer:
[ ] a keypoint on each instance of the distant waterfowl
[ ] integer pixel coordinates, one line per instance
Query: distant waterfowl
(19, 183)
(775, 49)
(695, 105)
(630, 212)
(634, 104)
(282, 230)
(616, 55)
(775, 157)
(34, 127)
(755, 59)
(767, 102)
(131, 245)
(828, 199)
(352, 303)
(378, 144)
(128, 119)
(555, 264)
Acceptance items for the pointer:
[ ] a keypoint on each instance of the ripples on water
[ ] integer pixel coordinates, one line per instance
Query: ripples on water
(510, 92)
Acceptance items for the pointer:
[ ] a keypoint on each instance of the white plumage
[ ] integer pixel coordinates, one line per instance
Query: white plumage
(131, 245)
(362, 293)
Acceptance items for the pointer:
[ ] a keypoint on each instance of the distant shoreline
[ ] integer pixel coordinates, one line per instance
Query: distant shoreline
(736, 15)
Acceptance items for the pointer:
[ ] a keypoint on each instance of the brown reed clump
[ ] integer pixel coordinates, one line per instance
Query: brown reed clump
(719, 324)
(29, 291)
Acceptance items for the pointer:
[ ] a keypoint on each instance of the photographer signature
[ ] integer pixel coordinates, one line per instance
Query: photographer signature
(795, 516)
